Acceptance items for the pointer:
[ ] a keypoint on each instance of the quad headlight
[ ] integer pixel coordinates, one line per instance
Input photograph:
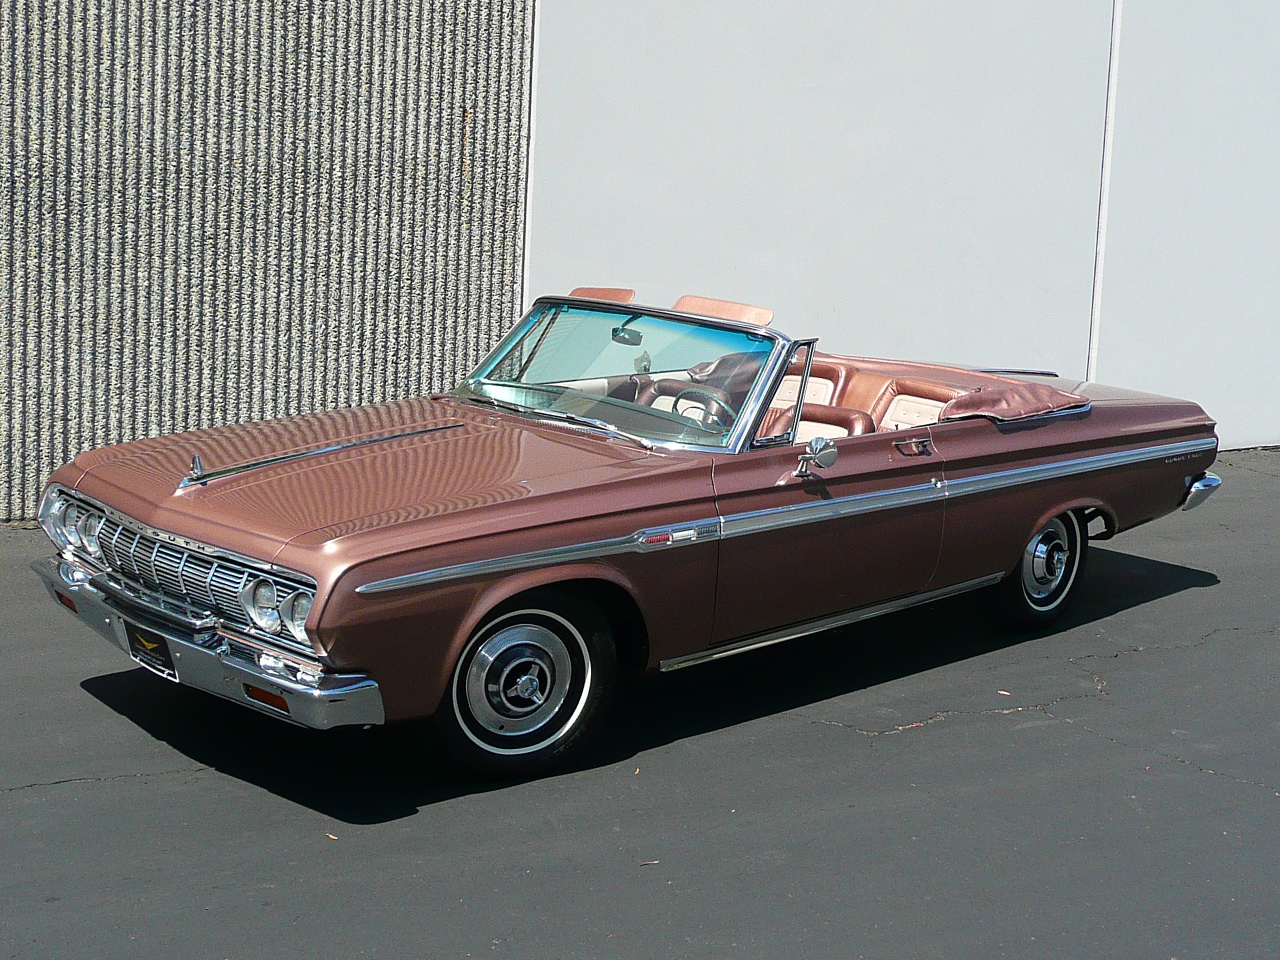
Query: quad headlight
(261, 604)
(68, 519)
(70, 525)
(261, 601)
(87, 526)
(52, 508)
(293, 612)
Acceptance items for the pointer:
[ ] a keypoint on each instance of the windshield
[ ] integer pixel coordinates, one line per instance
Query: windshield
(657, 379)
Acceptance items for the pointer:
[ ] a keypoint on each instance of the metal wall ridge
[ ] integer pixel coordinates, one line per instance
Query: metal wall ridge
(214, 211)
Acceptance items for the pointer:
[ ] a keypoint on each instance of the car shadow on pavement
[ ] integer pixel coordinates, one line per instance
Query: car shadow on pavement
(383, 774)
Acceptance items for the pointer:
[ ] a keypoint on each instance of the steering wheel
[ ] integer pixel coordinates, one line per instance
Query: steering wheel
(715, 405)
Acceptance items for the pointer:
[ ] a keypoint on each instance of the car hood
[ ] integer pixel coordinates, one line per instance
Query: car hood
(411, 459)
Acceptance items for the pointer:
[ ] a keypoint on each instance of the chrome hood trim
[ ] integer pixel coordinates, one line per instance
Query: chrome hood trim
(200, 477)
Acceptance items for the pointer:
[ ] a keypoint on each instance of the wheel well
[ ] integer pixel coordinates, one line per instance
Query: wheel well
(1103, 516)
(626, 622)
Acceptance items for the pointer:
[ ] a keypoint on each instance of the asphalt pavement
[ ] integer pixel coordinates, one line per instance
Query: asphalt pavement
(923, 785)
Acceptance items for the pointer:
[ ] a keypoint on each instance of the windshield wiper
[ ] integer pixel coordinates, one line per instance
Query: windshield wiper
(560, 415)
(600, 425)
(492, 402)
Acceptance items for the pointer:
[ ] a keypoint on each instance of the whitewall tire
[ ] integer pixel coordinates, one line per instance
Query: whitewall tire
(530, 685)
(1049, 568)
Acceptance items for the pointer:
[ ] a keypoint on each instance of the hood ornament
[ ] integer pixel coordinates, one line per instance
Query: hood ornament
(197, 470)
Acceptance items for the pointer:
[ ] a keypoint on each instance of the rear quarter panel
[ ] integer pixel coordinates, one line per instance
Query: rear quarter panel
(984, 533)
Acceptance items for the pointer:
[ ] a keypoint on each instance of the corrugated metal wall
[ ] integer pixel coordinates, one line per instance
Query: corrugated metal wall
(221, 210)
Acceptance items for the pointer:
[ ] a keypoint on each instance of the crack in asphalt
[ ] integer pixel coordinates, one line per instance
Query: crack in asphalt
(1162, 648)
(119, 776)
(1099, 691)
(1241, 466)
(947, 714)
(1168, 756)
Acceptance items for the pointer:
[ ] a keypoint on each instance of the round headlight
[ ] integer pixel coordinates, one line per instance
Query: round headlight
(51, 512)
(294, 612)
(69, 521)
(259, 601)
(88, 526)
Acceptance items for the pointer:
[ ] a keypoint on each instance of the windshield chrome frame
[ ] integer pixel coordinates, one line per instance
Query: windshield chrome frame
(752, 409)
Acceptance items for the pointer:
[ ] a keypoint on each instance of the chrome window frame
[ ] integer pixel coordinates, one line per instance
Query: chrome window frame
(752, 410)
(789, 438)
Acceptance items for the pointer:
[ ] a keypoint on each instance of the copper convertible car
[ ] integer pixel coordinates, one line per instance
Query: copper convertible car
(615, 489)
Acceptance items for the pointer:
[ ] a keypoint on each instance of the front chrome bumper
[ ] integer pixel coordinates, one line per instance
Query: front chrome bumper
(1201, 490)
(214, 660)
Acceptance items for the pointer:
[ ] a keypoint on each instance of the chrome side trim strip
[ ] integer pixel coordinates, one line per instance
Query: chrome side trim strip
(645, 541)
(759, 521)
(824, 623)
(1002, 479)
(198, 477)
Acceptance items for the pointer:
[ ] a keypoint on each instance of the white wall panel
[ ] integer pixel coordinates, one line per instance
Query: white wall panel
(909, 179)
(1192, 282)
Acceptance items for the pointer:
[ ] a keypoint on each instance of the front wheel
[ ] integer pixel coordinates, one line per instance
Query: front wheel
(529, 686)
(1048, 570)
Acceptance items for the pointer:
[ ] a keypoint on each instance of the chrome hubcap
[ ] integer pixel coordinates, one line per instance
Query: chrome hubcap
(518, 679)
(1046, 560)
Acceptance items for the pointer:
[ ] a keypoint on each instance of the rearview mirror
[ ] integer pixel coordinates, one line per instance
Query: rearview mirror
(627, 337)
(821, 453)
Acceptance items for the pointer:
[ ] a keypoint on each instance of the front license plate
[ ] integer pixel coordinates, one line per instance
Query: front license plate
(151, 650)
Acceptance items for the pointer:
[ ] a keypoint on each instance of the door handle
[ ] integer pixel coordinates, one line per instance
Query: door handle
(914, 448)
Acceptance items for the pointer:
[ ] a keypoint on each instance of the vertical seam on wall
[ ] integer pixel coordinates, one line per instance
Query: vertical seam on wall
(531, 101)
(1104, 192)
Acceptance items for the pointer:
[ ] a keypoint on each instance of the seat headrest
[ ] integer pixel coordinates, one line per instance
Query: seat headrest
(725, 310)
(612, 294)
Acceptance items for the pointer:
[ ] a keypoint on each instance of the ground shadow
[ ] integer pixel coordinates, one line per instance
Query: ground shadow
(383, 774)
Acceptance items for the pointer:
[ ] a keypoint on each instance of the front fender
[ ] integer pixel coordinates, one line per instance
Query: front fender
(499, 592)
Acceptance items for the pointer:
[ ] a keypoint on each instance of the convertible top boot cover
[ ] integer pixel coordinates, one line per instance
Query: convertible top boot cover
(1011, 400)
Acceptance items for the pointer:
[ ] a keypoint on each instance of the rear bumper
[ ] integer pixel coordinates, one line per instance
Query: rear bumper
(218, 661)
(1201, 490)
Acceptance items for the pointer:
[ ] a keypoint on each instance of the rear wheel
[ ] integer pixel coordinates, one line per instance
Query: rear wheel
(529, 686)
(1047, 572)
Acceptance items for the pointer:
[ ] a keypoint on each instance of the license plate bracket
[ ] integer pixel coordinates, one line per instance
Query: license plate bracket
(151, 650)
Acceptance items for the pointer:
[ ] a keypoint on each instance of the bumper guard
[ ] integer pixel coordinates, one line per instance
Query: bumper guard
(1201, 490)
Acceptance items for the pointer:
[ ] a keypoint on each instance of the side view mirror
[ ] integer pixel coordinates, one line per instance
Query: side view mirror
(821, 453)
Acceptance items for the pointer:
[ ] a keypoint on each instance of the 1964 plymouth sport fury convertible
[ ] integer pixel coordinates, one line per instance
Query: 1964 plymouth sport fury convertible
(615, 489)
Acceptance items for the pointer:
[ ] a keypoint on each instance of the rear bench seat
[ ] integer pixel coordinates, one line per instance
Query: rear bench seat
(842, 401)
(848, 397)
(908, 402)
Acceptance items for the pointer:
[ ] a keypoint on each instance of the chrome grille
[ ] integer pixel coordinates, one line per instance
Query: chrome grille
(184, 575)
